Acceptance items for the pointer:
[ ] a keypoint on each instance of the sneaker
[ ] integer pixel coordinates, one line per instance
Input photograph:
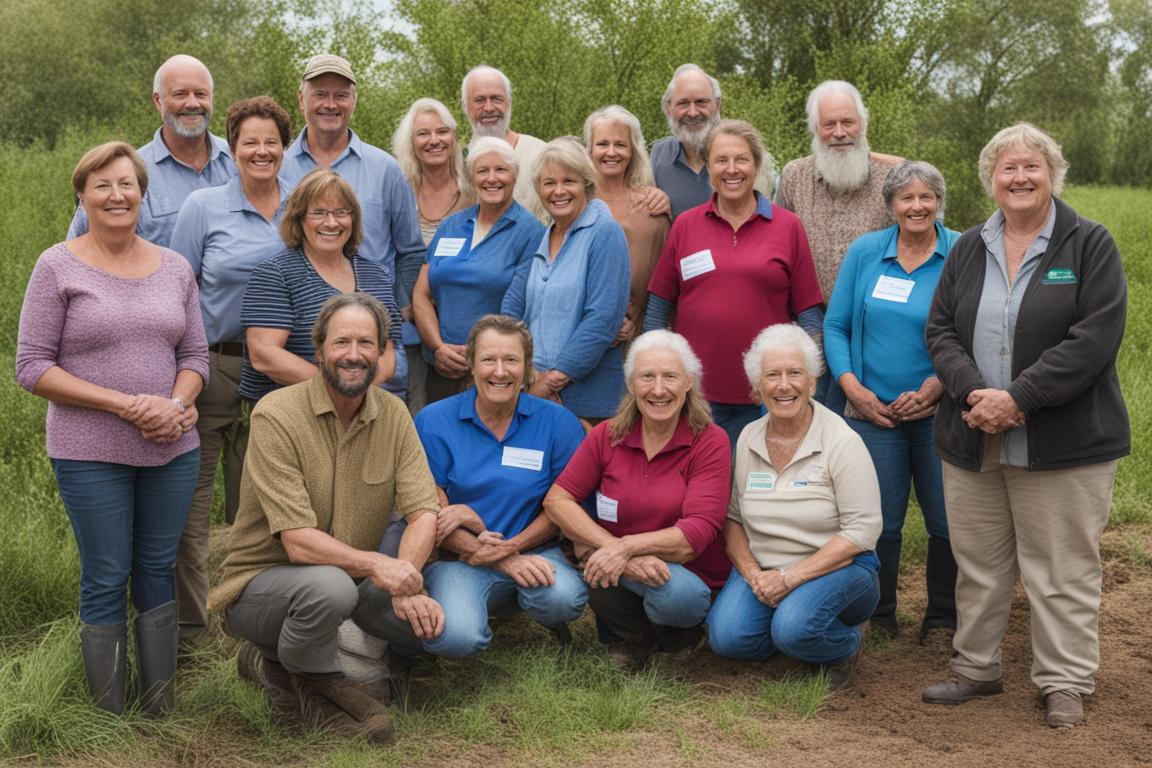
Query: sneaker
(1063, 709)
(960, 690)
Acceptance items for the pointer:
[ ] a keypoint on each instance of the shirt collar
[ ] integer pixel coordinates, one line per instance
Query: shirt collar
(993, 229)
(681, 438)
(894, 234)
(300, 146)
(322, 402)
(809, 446)
(467, 412)
(216, 146)
(236, 200)
(763, 205)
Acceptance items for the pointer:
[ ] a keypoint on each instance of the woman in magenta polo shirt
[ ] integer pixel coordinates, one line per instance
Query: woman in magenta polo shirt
(656, 479)
(730, 267)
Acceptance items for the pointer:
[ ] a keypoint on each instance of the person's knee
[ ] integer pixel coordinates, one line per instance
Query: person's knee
(329, 590)
(678, 603)
(460, 640)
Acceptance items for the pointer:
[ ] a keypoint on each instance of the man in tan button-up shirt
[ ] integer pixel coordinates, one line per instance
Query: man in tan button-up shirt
(331, 461)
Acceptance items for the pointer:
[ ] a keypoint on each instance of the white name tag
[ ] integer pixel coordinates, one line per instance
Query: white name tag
(522, 458)
(761, 481)
(697, 264)
(606, 508)
(449, 246)
(893, 289)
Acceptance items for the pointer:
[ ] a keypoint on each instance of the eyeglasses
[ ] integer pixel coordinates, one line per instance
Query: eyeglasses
(319, 214)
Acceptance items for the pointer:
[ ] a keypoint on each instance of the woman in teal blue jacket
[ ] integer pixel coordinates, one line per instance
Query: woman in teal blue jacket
(874, 344)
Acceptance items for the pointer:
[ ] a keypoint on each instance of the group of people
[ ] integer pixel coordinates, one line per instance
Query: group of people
(551, 375)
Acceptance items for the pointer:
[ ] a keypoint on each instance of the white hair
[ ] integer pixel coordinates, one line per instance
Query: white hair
(782, 336)
(180, 58)
(663, 339)
(835, 86)
(486, 70)
(486, 145)
(680, 70)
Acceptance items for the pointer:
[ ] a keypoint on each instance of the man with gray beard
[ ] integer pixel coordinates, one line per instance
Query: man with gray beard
(836, 190)
(692, 106)
(486, 96)
(182, 156)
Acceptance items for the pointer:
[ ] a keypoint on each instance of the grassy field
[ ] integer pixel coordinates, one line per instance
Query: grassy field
(521, 704)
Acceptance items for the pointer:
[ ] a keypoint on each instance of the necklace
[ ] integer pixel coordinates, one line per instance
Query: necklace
(451, 205)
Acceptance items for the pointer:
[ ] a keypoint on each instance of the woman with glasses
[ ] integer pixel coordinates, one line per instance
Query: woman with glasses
(321, 227)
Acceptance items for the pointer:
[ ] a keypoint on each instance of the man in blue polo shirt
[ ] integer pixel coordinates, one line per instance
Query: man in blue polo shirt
(327, 98)
(692, 106)
(183, 156)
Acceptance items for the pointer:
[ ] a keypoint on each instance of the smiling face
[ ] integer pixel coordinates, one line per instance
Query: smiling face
(839, 123)
(611, 149)
(328, 102)
(692, 109)
(562, 192)
(914, 207)
(493, 179)
(432, 140)
(785, 386)
(498, 368)
(349, 357)
(327, 225)
(259, 151)
(1022, 182)
(660, 385)
(732, 168)
(185, 98)
(489, 105)
(111, 196)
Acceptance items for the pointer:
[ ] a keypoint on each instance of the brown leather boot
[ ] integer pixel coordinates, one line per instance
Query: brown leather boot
(337, 703)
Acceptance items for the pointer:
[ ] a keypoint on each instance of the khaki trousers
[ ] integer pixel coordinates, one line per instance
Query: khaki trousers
(1048, 523)
(222, 432)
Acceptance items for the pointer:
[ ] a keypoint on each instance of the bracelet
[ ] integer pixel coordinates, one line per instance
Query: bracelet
(180, 404)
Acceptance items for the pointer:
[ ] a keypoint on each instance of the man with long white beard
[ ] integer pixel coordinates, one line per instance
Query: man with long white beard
(836, 190)
(183, 156)
(692, 106)
(486, 96)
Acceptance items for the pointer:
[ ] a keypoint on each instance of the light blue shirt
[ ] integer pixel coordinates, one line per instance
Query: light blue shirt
(224, 238)
(169, 184)
(879, 339)
(504, 480)
(993, 337)
(574, 305)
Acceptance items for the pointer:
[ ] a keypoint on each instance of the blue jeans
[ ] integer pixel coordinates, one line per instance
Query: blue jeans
(469, 594)
(818, 622)
(128, 522)
(732, 418)
(682, 601)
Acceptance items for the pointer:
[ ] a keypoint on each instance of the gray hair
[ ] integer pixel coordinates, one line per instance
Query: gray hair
(180, 58)
(834, 86)
(680, 70)
(664, 339)
(782, 336)
(486, 145)
(639, 171)
(569, 154)
(1023, 135)
(914, 170)
(404, 151)
(482, 69)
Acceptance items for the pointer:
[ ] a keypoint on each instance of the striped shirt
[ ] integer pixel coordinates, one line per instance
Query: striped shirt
(286, 292)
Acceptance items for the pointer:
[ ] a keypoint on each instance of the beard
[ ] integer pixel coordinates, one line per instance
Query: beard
(842, 169)
(183, 129)
(349, 389)
(692, 132)
(497, 130)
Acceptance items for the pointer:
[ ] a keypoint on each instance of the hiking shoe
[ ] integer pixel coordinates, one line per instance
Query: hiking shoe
(338, 704)
(961, 690)
(253, 666)
(1063, 709)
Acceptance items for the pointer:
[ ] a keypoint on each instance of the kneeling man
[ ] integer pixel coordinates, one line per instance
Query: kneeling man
(331, 461)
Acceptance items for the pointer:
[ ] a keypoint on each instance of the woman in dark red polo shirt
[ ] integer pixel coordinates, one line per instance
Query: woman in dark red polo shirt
(656, 480)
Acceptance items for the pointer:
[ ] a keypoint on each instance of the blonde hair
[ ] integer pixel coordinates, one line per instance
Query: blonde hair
(1015, 137)
(405, 152)
(639, 170)
(568, 154)
(695, 406)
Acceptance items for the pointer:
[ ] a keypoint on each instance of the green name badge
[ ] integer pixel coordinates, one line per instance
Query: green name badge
(761, 481)
(1059, 277)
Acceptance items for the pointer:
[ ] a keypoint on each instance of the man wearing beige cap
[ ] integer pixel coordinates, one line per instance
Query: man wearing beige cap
(327, 98)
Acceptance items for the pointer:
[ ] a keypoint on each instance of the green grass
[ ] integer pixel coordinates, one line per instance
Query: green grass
(521, 701)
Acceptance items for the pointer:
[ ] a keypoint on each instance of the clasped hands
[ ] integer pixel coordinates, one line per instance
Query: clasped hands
(993, 411)
(494, 550)
(159, 419)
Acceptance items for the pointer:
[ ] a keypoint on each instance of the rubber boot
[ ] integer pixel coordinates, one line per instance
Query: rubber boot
(941, 577)
(157, 634)
(884, 617)
(104, 648)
